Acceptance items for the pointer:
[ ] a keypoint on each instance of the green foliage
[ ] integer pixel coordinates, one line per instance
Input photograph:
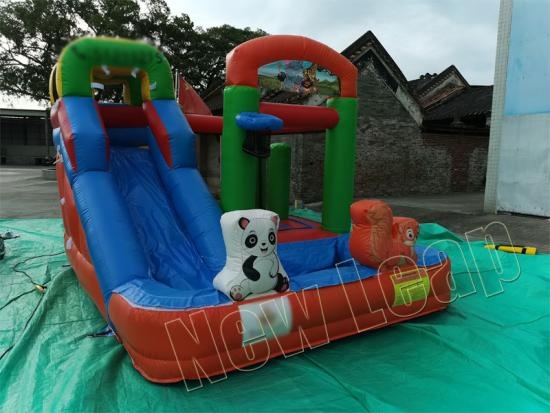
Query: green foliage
(33, 32)
(216, 43)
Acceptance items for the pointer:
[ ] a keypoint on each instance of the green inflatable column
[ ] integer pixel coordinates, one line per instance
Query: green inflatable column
(239, 171)
(338, 179)
(278, 179)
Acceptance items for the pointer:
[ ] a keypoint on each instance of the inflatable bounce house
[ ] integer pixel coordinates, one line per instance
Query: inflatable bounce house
(194, 287)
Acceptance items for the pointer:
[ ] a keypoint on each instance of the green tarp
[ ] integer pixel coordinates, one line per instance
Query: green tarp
(488, 352)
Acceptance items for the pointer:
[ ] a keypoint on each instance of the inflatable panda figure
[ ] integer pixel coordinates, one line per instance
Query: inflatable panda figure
(252, 265)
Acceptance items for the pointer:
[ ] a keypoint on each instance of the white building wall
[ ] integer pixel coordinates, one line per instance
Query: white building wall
(518, 172)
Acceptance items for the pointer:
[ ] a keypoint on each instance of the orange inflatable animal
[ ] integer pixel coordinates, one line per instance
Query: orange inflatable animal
(379, 238)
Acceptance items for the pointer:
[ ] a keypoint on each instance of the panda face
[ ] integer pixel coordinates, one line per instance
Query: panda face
(259, 236)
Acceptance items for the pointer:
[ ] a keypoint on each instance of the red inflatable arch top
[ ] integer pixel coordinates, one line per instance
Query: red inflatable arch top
(244, 60)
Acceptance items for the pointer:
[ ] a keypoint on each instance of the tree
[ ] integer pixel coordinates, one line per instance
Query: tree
(33, 33)
(216, 42)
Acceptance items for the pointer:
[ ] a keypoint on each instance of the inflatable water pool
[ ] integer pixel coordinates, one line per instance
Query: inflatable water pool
(143, 234)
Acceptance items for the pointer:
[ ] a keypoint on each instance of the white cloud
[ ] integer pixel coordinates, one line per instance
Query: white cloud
(12, 102)
(421, 35)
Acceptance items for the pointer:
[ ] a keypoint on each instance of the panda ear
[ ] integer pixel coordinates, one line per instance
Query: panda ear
(275, 219)
(243, 222)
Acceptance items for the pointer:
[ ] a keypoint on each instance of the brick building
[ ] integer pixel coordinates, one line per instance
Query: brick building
(424, 136)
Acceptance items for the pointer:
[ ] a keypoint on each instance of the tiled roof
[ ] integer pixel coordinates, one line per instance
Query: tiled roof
(355, 51)
(423, 85)
(417, 84)
(473, 100)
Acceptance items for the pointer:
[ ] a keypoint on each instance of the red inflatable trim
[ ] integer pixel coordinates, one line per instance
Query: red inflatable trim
(159, 131)
(296, 118)
(54, 120)
(66, 133)
(102, 123)
(167, 345)
(190, 100)
(205, 123)
(115, 116)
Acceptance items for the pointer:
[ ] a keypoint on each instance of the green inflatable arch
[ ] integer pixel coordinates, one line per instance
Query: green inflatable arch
(140, 66)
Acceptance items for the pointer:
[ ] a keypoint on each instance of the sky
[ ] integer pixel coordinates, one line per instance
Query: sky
(421, 35)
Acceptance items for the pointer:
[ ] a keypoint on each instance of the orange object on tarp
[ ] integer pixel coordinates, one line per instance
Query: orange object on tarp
(190, 100)
(378, 238)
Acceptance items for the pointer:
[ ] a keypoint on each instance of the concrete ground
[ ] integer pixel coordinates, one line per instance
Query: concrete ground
(25, 194)
(463, 214)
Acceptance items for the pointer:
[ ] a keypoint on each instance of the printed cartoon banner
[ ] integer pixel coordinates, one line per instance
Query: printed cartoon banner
(297, 76)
